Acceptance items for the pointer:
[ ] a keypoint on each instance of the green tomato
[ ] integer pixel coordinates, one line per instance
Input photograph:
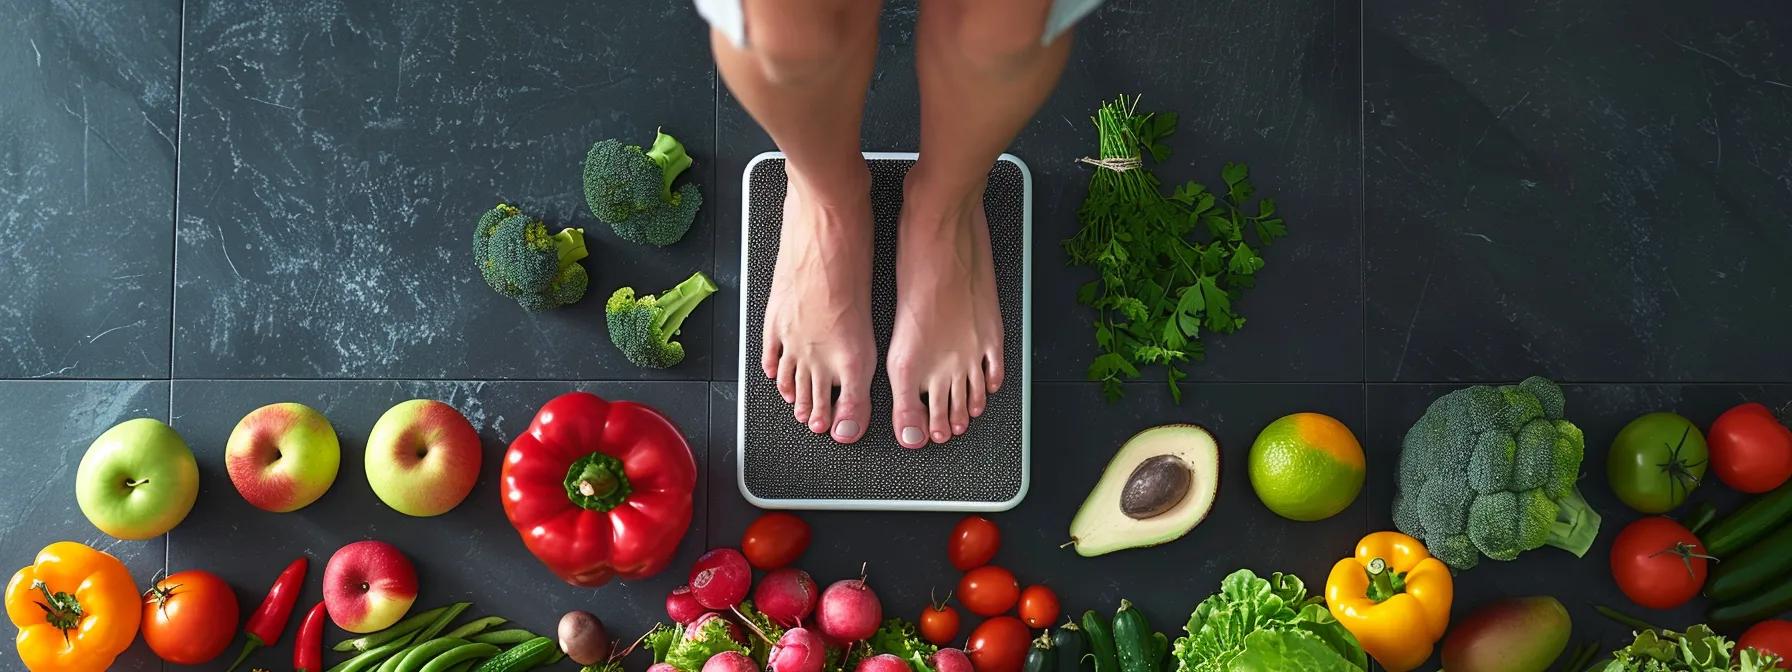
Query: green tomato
(1656, 461)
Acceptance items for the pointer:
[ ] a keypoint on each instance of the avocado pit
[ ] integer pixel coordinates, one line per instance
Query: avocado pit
(1155, 486)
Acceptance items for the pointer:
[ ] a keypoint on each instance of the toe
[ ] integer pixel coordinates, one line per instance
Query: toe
(992, 362)
(800, 407)
(787, 377)
(821, 401)
(939, 396)
(853, 410)
(978, 392)
(769, 355)
(959, 413)
(908, 416)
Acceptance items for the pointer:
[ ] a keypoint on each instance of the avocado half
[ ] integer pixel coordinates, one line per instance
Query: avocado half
(1160, 485)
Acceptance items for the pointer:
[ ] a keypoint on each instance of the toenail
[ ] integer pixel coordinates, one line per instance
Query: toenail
(846, 429)
(912, 435)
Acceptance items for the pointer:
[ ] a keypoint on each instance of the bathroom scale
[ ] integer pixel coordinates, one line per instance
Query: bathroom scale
(783, 465)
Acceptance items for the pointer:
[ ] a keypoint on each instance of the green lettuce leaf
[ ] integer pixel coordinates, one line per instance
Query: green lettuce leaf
(1697, 650)
(1221, 629)
(690, 653)
(660, 639)
(897, 638)
(761, 633)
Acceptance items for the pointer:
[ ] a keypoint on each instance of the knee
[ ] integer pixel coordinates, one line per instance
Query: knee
(1000, 44)
(792, 50)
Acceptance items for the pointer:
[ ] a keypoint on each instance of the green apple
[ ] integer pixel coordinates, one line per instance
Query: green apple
(282, 457)
(138, 480)
(423, 457)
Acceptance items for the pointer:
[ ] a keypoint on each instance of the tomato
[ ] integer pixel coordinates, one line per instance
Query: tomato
(974, 543)
(1773, 637)
(1658, 563)
(939, 623)
(999, 645)
(1038, 607)
(988, 590)
(775, 540)
(1750, 450)
(190, 617)
(1656, 461)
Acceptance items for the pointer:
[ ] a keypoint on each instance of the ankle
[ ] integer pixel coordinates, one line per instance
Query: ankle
(838, 188)
(941, 198)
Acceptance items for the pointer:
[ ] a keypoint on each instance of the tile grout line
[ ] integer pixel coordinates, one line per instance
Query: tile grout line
(180, 87)
(1362, 230)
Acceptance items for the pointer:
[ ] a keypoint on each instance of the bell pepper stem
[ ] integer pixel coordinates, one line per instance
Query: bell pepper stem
(249, 647)
(61, 610)
(1384, 582)
(597, 482)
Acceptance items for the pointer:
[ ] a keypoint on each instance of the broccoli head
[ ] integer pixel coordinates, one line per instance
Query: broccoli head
(519, 258)
(1491, 471)
(631, 190)
(642, 327)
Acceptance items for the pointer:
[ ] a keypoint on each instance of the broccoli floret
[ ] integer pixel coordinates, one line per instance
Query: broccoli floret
(1491, 472)
(643, 327)
(631, 190)
(519, 258)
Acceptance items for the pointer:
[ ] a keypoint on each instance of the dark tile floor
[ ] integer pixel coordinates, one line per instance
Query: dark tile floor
(213, 204)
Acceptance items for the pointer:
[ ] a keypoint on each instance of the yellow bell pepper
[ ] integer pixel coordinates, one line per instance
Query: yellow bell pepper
(1394, 597)
(76, 609)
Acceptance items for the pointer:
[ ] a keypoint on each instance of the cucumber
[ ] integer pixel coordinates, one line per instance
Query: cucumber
(501, 637)
(458, 655)
(373, 656)
(1699, 517)
(521, 657)
(400, 629)
(1744, 572)
(1133, 642)
(1160, 647)
(1759, 606)
(1101, 642)
(1749, 522)
(1068, 640)
(1041, 656)
(474, 627)
(421, 654)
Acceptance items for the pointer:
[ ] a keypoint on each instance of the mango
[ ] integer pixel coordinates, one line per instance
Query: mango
(1522, 634)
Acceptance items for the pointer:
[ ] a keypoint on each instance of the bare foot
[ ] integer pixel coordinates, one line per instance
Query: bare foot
(947, 342)
(818, 317)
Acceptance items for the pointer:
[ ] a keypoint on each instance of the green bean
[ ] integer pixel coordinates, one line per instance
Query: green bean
(474, 627)
(404, 627)
(512, 636)
(374, 655)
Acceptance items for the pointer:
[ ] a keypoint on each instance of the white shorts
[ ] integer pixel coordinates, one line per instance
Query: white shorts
(727, 17)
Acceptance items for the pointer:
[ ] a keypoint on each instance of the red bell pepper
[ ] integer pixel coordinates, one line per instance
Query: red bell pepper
(599, 489)
(269, 620)
(308, 647)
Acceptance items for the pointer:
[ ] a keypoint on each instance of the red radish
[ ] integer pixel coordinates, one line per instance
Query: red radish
(720, 578)
(787, 596)
(662, 667)
(849, 611)
(730, 661)
(682, 607)
(945, 660)
(882, 662)
(799, 650)
(691, 631)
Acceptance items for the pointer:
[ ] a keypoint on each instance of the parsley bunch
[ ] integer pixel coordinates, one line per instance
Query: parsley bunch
(1169, 266)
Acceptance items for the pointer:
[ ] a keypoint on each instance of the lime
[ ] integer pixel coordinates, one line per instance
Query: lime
(1306, 466)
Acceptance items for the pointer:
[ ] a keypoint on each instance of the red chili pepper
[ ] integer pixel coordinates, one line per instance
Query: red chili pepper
(308, 649)
(599, 489)
(269, 619)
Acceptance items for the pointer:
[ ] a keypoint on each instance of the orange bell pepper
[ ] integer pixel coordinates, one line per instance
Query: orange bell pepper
(76, 609)
(1394, 597)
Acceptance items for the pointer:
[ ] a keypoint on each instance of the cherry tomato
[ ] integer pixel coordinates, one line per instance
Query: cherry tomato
(999, 645)
(939, 623)
(1750, 450)
(1773, 637)
(1658, 563)
(1038, 607)
(988, 590)
(974, 543)
(190, 617)
(775, 540)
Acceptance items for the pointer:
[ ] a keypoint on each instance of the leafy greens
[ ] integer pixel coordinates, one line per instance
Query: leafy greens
(1256, 624)
(1168, 267)
(1697, 650)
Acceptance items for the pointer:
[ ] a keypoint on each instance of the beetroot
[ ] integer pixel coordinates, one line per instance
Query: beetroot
(882, 662)
(696, 626)
(799, 650)
(730, 661)
(945, 660)
(720, 578)
(787, 596)
(682, 607)
(849, 611)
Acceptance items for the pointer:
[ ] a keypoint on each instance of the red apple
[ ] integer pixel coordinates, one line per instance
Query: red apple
(368, 586)
(282, 457)
(423, 457)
